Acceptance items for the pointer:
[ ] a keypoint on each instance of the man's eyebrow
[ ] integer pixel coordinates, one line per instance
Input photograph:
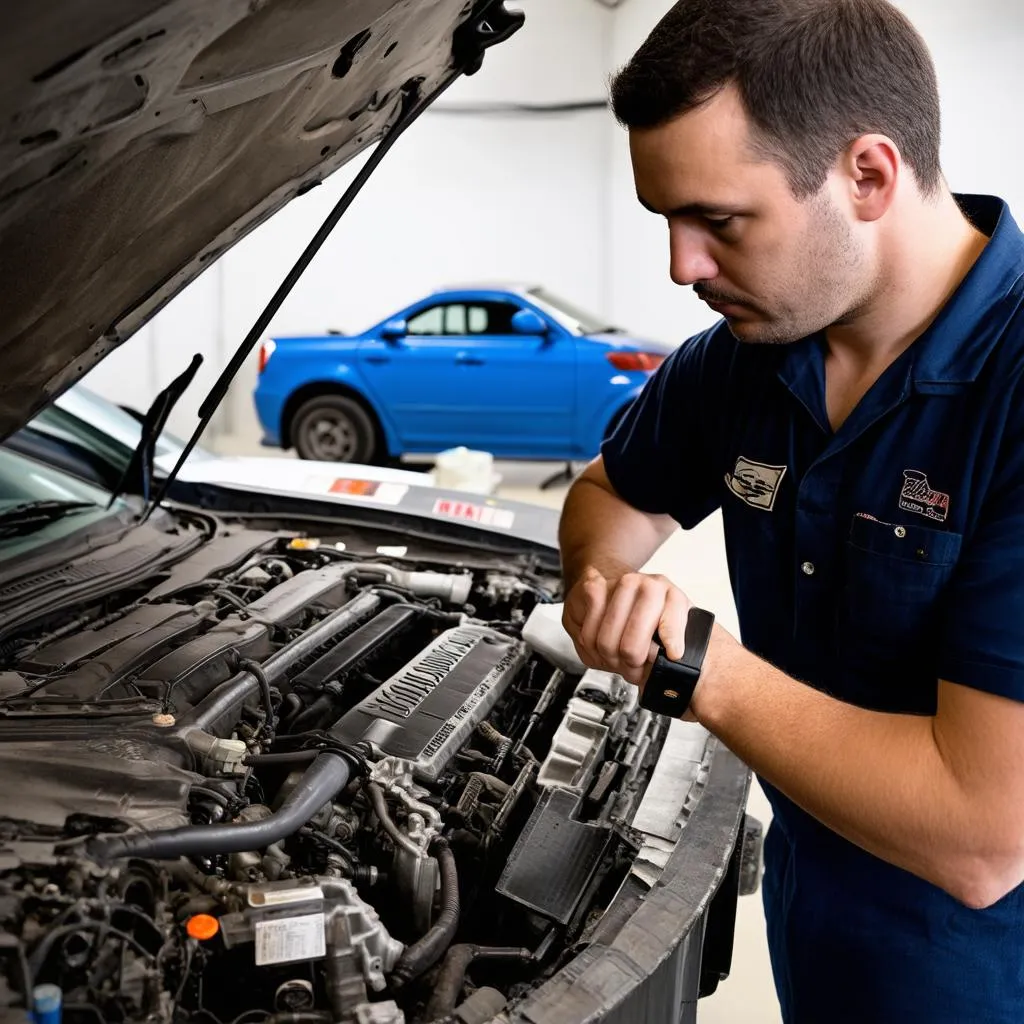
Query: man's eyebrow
(695, 209)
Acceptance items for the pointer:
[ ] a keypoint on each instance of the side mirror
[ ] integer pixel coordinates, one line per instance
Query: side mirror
(393, 330)
(526, 321)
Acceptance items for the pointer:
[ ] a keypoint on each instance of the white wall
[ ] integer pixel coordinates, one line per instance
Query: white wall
(458, 198)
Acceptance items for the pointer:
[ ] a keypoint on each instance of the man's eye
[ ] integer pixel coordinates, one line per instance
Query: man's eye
(719, 223)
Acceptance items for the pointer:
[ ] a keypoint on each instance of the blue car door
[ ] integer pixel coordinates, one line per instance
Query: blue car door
(522, 387)
(411, 378)
(461, 375)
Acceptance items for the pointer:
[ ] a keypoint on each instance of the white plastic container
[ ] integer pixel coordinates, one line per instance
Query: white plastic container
(462, 469)
(545, 633)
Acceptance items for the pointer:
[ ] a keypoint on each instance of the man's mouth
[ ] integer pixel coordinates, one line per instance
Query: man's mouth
(719, 299)
(723, 305)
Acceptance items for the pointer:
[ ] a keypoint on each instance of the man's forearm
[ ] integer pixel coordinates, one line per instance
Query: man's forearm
(879, 780)
(598, 530)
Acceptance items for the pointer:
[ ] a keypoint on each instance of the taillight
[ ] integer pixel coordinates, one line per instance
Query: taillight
(632, 362)
(267, 349)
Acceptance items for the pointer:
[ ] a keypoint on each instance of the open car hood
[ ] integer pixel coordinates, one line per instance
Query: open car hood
(140, 139)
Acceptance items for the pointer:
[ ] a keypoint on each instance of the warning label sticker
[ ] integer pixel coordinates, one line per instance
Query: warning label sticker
(284, 939)
(486, 515)
(377, 491)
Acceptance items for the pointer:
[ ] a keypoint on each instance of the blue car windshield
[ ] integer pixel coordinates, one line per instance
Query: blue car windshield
(570, 316)
(24, 482)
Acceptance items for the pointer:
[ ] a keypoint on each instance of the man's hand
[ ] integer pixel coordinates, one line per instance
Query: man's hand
(612, 622)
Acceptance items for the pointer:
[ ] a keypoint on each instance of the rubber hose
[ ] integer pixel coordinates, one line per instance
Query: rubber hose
(452, 974)
(380, 808)
(425, 952)
(315, 716)
(328, 774)
(256, 670)
(287, 757)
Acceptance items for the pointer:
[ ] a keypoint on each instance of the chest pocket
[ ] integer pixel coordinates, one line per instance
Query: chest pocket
(894, 577)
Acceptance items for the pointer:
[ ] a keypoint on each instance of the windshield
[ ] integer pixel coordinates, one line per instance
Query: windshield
(571, 317)
(104, 427)
(23, 481)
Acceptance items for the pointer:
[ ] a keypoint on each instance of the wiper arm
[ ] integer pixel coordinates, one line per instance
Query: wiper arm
(138, 475)
(29, 516)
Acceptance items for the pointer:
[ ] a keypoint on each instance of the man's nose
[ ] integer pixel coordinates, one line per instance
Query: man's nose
(689, 259)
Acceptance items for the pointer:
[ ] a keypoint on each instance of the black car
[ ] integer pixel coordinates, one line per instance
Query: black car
(268, 759)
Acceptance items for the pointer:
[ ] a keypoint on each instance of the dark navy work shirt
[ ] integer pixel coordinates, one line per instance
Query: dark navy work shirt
(869, 562)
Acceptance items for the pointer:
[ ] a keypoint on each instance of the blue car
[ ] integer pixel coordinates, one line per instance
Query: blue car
(512, 370)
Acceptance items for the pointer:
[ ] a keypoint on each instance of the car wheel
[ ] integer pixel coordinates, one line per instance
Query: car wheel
(333, 428)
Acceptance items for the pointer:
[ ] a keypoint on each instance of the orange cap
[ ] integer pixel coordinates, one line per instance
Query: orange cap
(202, 926)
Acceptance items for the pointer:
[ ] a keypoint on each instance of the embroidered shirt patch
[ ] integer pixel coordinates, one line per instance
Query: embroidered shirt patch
(755, 483)
(917, 496)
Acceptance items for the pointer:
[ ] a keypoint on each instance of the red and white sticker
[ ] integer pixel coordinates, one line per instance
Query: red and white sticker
(378, 491)
(485, 515)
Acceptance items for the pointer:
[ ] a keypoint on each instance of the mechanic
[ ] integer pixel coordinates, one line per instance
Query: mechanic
(858, 417)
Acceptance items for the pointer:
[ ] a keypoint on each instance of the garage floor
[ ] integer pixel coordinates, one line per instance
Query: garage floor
(696, 562)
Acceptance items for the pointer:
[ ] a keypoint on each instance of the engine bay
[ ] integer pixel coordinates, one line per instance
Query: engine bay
(285, 778)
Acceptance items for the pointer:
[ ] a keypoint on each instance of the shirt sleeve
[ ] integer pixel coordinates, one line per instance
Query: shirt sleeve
(662, 457)
(982, 622)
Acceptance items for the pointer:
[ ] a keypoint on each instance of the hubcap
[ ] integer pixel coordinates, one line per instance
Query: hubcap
(332, 438)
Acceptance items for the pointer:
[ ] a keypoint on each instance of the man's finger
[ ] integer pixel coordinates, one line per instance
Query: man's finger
(672, 625)
(616, 615)
(648, 609)
(594, 599)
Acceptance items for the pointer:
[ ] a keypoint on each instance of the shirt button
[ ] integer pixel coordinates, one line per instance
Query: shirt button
(807, 568)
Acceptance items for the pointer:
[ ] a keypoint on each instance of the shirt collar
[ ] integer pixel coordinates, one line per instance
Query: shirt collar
(954, 347)
(957, 343)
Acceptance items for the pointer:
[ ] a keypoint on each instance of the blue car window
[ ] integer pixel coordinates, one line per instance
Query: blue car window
(457, 319)
(496, 318)
(430, 321)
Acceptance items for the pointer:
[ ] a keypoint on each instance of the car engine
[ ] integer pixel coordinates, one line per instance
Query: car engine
(278, 780)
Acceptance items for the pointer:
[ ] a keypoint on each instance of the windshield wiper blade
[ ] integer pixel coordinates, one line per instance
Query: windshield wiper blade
(28, 516)
(138, 475)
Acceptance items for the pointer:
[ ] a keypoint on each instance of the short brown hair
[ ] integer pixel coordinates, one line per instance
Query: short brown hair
(813, 75)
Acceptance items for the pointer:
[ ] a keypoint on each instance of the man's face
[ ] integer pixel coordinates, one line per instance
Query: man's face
(777, 268)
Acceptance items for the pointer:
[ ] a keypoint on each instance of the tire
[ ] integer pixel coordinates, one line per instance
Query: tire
(333, 428)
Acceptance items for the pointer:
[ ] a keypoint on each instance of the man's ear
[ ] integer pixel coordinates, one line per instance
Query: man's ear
(871, 167)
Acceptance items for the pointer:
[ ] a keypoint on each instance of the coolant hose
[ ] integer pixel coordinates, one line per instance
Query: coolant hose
(452, 974)
(454, 588)
(328, 774)
(425, 952)
(380, 808)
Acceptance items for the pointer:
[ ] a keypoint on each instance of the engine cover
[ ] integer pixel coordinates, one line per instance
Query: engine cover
(426, 711)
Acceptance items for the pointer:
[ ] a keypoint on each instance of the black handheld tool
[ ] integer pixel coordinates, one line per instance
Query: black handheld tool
(669, 688)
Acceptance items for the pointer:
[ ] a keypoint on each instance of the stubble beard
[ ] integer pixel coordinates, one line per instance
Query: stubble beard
(829, 273)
